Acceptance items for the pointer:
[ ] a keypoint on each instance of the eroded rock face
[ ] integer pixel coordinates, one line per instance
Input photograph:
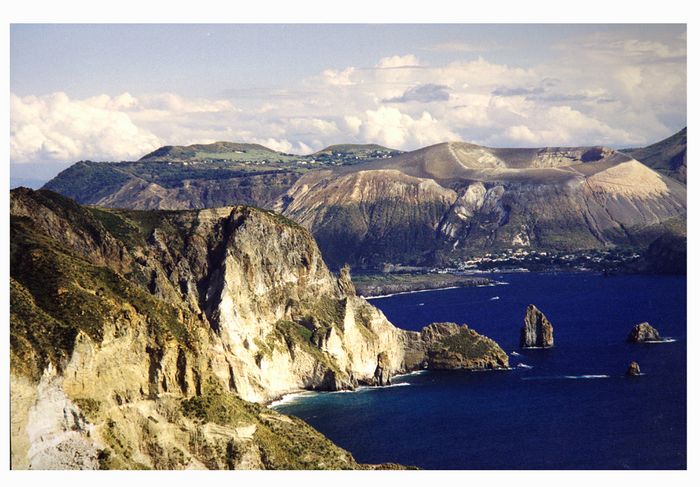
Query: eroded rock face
(160, 326)
(633, 370)
(537, 332)
(643, 332)
(141, 313)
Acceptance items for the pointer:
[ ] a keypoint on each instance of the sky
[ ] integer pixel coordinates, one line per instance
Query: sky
(116, 92)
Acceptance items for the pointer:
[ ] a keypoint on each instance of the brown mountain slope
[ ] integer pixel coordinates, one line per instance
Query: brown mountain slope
(456, 199)
(668, 157)
(429, 206)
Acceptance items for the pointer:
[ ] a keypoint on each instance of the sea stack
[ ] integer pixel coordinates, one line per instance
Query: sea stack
(643, 332)
(633, 370)
(537, 332)
(382, 373)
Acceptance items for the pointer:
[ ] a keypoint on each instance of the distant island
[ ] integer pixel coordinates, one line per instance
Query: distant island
(450, 203)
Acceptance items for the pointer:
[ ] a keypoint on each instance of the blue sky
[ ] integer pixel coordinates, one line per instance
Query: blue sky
(113, 92)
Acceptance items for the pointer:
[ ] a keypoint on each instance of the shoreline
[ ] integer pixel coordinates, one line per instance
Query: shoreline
(475, 275)
(380, 296)
(290, 396)
(382, 285)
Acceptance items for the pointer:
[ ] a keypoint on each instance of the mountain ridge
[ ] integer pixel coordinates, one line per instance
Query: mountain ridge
(451, 200)
(668, 156)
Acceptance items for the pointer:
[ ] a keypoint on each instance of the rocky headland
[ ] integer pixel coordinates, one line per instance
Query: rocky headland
(451, 346)
(149, 339)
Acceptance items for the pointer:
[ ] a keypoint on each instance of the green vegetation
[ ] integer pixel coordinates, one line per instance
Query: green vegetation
(55, 294)
(290, 444)
(285, 443)
(295, 337)
(326, 311)
(100, 179)
(118, 224)
(218, 406)
(119, 445)
(468, 344)
(89, 406)
(281, 219)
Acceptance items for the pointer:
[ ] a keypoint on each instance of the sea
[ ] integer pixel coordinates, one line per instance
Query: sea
(568, 407)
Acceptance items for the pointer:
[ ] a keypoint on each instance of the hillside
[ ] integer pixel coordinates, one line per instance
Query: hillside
(201, 175)
(453, 200)
(146, 339)
(348, 154)
(668, 157)
(218, 151)
(435, 205)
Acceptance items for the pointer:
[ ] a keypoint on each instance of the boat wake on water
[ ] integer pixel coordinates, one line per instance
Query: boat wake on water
(575, 377)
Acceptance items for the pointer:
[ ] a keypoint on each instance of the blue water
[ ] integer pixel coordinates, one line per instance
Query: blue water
(547, 417)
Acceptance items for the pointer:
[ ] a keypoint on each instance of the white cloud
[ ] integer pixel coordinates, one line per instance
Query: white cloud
(601, 90)
(391, 127)
(54, 127)
(335, 77)
(408, 60)
(521, 133)
(353, 124)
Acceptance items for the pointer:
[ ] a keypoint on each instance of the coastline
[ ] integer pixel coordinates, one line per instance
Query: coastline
(380, 296)
(289, 397)
(383, 285)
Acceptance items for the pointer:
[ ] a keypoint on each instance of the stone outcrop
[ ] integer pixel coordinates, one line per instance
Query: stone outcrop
(451, 346)
(633, 370)
(382, 375)
(155, 333)
(643, 332)
(537, 332)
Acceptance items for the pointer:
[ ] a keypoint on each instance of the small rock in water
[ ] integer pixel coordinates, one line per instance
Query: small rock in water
(537, 330)
(633, 370)
(643, 332)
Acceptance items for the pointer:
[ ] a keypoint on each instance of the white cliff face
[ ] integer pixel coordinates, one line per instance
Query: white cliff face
(59, 436)
(273, 275)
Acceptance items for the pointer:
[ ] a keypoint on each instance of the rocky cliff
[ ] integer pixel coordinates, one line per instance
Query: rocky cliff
(141, 339)
(633, 370)
(537, 331)
(450, 346)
